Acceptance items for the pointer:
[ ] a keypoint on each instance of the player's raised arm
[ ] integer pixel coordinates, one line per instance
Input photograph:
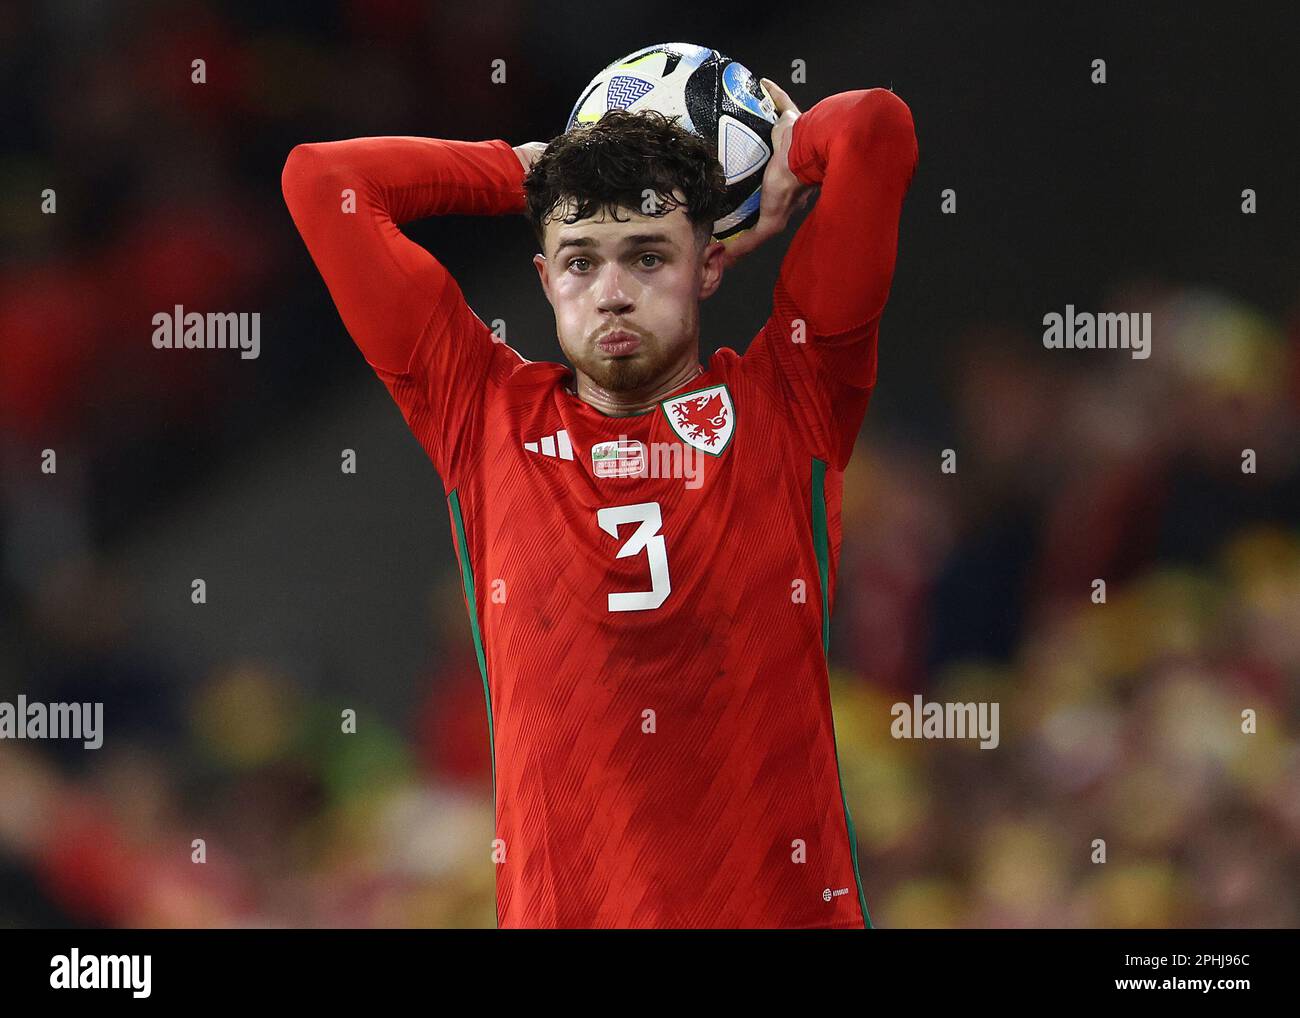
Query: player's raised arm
(859, 150)
(347, 199)
(402, 308)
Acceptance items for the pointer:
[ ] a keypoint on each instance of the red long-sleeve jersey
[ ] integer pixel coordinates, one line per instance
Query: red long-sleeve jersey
(653, 650)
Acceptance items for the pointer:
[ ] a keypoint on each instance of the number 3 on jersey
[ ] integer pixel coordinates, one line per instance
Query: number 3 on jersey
(645, 538)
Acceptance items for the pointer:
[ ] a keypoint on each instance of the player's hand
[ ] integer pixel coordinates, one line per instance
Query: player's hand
(783, 192)
(529, 152)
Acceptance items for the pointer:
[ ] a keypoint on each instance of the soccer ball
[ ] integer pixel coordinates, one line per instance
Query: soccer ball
(715, 98)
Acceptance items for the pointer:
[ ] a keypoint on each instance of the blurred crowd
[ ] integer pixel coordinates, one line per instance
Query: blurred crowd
(1121, 721)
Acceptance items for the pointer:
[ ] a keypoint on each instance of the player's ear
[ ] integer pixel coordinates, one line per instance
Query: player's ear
(539, 261)
(711, 268)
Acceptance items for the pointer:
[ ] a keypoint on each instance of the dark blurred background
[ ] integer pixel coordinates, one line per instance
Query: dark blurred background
(329, 591)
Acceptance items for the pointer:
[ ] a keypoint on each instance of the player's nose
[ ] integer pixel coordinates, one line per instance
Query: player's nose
(612, 293)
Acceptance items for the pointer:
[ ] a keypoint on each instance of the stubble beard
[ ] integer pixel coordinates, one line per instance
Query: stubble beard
(621, 374)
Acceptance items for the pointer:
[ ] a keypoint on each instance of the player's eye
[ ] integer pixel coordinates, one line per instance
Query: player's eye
(650, 255)
(574, 261)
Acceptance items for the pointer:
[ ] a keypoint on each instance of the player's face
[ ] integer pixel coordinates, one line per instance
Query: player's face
(640, 275)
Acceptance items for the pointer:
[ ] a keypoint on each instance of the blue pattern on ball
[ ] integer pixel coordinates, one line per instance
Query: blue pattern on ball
(624, 90)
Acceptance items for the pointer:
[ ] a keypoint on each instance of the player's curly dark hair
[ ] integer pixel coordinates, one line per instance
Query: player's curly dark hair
(610, 164)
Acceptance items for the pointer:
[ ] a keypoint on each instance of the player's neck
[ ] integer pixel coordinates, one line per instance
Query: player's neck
(626, 404)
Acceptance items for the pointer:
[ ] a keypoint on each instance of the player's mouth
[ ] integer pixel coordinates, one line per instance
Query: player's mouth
(618, 343)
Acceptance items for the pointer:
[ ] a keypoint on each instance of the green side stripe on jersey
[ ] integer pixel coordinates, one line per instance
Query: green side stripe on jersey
(822, 545)
(467, 578)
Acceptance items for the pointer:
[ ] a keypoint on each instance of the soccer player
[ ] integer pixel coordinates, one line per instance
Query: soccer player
(653, 648)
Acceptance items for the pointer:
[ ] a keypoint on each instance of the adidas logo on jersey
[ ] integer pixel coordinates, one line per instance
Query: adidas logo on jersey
(553, 445)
